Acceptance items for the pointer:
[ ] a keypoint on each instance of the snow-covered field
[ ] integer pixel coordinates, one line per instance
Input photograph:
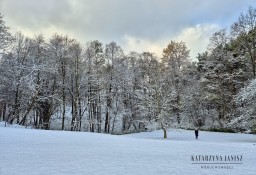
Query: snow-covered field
(39, 152)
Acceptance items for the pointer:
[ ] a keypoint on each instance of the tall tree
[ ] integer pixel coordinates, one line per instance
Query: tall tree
(94, 62)
(113, 53)
(223, 72)
(175, 58)
(5, 41)
(59, 46)
(244, 30)
(159, 98)
(75, 84)
(5, 36)
(18, 64)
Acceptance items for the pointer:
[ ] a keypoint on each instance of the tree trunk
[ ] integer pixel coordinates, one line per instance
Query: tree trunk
(113, 125)
(15, 112)
(165, 133)
(72, 104)
(63, 116)
(99, 115)
(23, 120)
(79, 112)
(73, 114)
(164, 130)
(63, 95)
(1, 111)
(106, 121)
(36, 118)
(253, 69)
(4, 112)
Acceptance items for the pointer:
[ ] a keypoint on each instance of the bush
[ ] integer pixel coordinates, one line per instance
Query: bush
(228, 130)
(253, 131)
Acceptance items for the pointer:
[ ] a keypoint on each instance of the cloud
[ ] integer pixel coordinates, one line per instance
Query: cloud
(132, 43)
(195, 37)
(136, 24)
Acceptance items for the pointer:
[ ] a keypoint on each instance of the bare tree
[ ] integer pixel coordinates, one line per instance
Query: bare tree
(59, 46)
(75, 75)
(94, 62)
(5, 36)
(113, 53)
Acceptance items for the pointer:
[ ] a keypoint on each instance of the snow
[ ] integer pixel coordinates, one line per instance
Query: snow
(248, 94)
(39, 152)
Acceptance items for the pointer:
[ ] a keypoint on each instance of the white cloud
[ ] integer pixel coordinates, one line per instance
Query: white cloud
(195, 37)
(132, 43)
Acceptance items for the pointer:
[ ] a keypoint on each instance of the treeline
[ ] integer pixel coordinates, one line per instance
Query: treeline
(61, 84)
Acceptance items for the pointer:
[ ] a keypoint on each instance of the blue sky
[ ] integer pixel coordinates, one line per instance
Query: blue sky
(139, 25)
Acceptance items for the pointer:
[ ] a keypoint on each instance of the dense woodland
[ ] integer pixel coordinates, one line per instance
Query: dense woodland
(62, 84)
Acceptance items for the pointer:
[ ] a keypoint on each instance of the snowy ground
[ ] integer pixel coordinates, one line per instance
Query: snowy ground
(39, 152)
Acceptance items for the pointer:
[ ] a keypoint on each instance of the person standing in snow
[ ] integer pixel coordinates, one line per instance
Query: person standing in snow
(196, 133)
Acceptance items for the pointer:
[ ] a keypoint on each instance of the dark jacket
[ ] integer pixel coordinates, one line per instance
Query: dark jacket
(196, 132)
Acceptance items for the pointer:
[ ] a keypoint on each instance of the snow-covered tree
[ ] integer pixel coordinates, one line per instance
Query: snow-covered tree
(5, 36)
(246, 101)
(223, 71)
(5, 40)
(158, 99)
(175, 59)
(243, 30)
(113, 54)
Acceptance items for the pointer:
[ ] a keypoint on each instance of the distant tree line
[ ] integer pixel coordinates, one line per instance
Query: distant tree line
(61, 84)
